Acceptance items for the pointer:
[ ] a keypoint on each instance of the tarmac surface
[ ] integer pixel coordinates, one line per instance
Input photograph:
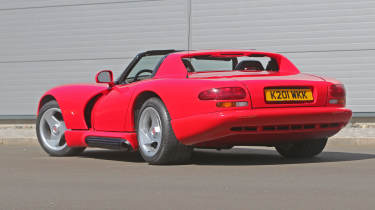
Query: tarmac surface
(343, 177)
(353, 134)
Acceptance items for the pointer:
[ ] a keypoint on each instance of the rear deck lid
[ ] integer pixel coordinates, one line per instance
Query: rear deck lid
(286, 91)
(272, 89)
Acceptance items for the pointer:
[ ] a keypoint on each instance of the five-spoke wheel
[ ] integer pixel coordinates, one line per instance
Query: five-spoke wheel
(156, 139)
(150, 131)
(51, 129)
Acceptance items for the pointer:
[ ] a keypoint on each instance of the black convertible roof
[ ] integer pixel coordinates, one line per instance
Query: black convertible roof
(158, 52)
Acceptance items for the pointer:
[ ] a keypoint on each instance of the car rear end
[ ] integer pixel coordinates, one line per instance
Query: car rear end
(264, 108)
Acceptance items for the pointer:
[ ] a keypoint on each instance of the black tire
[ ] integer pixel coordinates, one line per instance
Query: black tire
(65, 150)
(171, 150)
(304, 149)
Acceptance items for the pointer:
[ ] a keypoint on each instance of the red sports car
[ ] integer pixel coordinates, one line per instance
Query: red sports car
(168, 102)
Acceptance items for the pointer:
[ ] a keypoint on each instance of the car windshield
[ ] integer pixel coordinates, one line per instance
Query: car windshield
(244, 63)
(144, 68)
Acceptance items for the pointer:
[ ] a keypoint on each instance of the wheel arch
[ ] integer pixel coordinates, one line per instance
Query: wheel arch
(45, 99)
(138, 102)
(72, 100)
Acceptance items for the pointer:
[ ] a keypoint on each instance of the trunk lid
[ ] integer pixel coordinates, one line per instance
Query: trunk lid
(257, 82)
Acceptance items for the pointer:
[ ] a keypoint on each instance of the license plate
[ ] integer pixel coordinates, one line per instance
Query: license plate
(288, 94)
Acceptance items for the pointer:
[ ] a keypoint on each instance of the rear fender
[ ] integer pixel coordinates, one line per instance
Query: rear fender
(180, 96)
(72, 100)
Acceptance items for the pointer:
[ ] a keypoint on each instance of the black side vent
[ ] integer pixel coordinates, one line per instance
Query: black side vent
(88, 110)
(108, 143)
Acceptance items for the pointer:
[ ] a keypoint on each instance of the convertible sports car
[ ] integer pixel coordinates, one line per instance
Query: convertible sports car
(168, 102)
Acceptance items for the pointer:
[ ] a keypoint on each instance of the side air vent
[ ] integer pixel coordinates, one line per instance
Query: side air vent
(88, 110)
(108, 143)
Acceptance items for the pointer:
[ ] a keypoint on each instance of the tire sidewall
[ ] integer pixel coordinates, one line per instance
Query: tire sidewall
(304, 149)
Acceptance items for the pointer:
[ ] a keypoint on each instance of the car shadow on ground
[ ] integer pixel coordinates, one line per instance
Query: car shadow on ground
(250, 156)
(115, 155)
(236, 156)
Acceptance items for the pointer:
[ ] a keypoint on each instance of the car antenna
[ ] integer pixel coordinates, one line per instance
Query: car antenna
(189, 19)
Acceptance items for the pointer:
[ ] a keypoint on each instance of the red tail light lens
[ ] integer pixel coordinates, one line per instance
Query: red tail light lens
(337, 95)
(337, 91)
(225, 93)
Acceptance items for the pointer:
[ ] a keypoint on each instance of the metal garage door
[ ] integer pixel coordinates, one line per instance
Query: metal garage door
(47, 43)
(334, 38)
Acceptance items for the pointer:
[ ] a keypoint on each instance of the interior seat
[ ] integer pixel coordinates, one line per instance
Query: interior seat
(249, 65)
(272, 65)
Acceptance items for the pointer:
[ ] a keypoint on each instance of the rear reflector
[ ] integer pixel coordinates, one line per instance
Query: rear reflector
(340, 101)
(225, 93)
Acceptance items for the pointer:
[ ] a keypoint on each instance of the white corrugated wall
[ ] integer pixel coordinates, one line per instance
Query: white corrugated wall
(44, 43)
(333, 38)
(48, 43)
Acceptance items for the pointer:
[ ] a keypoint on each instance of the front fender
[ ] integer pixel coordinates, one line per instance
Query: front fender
(72, 100)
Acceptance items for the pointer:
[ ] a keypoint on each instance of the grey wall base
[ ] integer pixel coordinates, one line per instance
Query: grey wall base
(358, 117)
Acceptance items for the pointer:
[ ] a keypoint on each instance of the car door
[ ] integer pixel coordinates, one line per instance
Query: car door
(109, 112)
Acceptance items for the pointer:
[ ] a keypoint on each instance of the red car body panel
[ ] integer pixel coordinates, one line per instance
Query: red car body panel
(115, 117)
(259, 125)
(72, 100)
(200, 122)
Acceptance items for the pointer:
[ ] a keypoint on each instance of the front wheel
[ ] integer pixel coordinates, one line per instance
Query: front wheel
(50, 129)
(304, 149)
(157, 141)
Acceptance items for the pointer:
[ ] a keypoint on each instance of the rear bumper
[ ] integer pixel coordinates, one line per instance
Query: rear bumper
(257, 126)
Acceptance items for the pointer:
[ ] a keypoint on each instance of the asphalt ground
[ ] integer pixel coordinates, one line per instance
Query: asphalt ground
(343, 177)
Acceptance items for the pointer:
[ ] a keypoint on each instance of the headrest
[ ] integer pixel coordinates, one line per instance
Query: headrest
(272, 65)
(249, 65)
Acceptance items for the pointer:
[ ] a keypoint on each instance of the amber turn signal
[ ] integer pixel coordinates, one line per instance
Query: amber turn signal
(229, 104)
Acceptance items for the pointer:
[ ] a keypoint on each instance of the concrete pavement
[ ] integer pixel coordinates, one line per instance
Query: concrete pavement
(242, 178)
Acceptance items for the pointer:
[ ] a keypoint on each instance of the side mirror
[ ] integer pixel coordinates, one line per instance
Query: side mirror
(105, 76)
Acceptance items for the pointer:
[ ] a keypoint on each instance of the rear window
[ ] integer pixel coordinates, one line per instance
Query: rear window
(211, 65)
(244, 63)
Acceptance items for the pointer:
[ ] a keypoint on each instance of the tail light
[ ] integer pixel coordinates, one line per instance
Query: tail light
(337, 95)
(225, 93)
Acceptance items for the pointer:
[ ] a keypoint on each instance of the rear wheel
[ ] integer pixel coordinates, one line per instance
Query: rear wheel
(50, 129)
(157, 141)
(305, 149)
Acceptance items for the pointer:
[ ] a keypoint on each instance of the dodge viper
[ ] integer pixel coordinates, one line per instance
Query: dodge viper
(168, 102)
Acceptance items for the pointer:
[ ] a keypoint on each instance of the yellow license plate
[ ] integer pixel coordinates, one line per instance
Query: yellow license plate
(288, 94)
